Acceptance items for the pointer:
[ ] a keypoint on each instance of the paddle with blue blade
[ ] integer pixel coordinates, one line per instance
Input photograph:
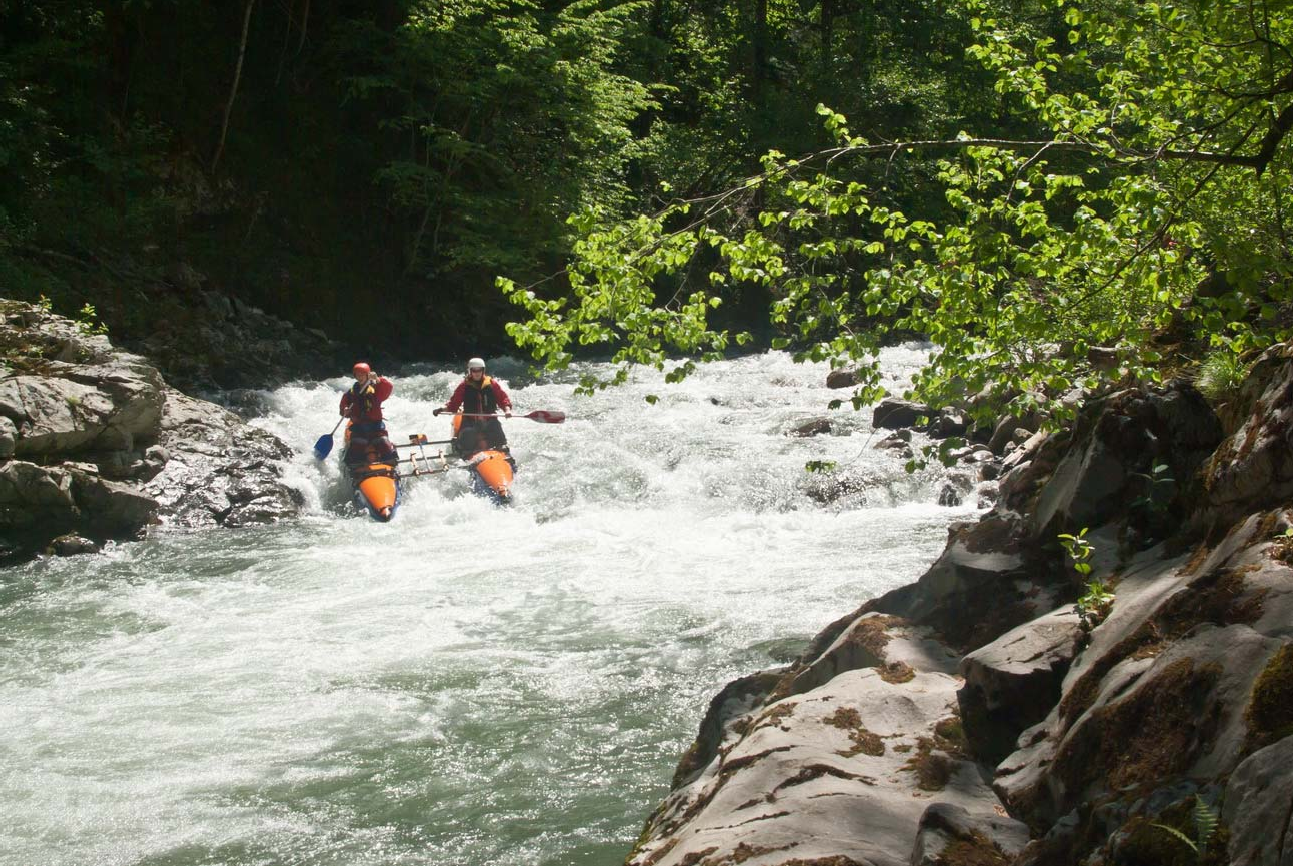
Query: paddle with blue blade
(323, 447)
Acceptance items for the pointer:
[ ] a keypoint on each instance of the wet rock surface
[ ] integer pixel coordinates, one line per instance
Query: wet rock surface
(95, 445)
(1175, 705)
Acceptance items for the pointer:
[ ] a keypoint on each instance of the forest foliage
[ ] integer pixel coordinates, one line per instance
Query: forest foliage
(1055, 192)
(1138, 225)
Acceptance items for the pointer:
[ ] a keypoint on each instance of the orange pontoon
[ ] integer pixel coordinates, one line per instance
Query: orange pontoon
(491, 470)
(375, 485)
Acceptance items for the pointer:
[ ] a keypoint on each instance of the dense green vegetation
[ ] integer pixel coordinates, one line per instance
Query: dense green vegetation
(1057, 193)
(1140, 226)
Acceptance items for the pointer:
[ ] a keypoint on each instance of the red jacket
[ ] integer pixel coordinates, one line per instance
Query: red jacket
(480, 400)
(365, 399)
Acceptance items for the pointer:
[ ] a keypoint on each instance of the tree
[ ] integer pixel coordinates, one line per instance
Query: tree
(1159, 175)
(508, 116)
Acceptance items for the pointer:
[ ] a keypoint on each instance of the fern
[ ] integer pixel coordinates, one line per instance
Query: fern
(1179, 835)
(1205, 823)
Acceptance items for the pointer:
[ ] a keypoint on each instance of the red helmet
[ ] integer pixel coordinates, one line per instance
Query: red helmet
(362, 369)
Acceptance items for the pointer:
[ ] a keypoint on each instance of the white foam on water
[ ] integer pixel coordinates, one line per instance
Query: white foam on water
(466, 684)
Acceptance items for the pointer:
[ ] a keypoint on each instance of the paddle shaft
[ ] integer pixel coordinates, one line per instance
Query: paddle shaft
(540, 415)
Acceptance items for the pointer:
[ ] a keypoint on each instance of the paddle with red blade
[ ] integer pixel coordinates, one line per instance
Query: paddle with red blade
(543, 416)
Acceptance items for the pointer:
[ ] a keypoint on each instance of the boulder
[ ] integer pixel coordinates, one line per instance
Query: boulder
(898, 440)
(950, 422)
(39, 503)
(815, 427)
(8, 437)
(840, 774)
(1008, 429)
(950, 834)
(1124, 450)
(1012, 683)
(31, 494)
(114, 509)
(221, 471)
(841, 379)
(77, 407)
(981, 586)
(892, 414)
(72, 545)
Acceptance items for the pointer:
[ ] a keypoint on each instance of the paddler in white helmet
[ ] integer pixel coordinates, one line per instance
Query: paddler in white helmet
(478, 394)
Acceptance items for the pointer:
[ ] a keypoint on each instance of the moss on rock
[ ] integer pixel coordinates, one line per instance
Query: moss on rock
(1270, 709)
(1156, 732)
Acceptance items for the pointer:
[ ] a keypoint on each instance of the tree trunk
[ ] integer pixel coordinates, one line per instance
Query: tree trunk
(305, 25)
(233, 90)
(759, 51)
(828, 32)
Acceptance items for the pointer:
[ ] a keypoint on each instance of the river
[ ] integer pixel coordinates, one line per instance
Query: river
(465, 685)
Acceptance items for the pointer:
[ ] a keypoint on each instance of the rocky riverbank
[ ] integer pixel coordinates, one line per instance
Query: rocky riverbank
(974, 717)
(95, 445)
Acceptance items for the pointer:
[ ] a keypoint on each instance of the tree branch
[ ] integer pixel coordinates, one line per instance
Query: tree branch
(1007, 144)
(1283, 123)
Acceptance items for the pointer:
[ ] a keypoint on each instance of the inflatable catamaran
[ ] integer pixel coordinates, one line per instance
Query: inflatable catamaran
(377, 485)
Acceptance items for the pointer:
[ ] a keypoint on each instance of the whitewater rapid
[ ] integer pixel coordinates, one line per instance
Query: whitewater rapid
(466, 684)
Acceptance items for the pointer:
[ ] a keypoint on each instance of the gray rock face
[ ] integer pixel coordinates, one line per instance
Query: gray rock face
(234, 345)
(1135, 448)
(83, 426)
(8, 437)
(980, 587)
(1253, 468)
(833, 760)
(221, 472)
(1259, 808)
(944, 825)
(1162, 695)
(844, 771)
(1179, 695)
(1013, 682)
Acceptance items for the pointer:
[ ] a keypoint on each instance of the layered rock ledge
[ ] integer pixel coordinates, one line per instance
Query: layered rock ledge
(94, 445)
(973, 718)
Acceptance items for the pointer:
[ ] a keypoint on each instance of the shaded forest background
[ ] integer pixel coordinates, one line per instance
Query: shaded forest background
(1095, 189)
(368, 168)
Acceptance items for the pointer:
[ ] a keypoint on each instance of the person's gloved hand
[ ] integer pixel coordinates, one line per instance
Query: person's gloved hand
(507, 413)
(437, 411)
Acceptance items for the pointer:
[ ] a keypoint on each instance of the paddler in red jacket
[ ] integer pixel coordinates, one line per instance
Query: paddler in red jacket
(362, 404)
(479, 394)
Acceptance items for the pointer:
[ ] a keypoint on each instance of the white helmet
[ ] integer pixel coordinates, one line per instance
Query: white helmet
(474, 363)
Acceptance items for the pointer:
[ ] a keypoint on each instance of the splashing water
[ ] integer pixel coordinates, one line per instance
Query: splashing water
(463, 685)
